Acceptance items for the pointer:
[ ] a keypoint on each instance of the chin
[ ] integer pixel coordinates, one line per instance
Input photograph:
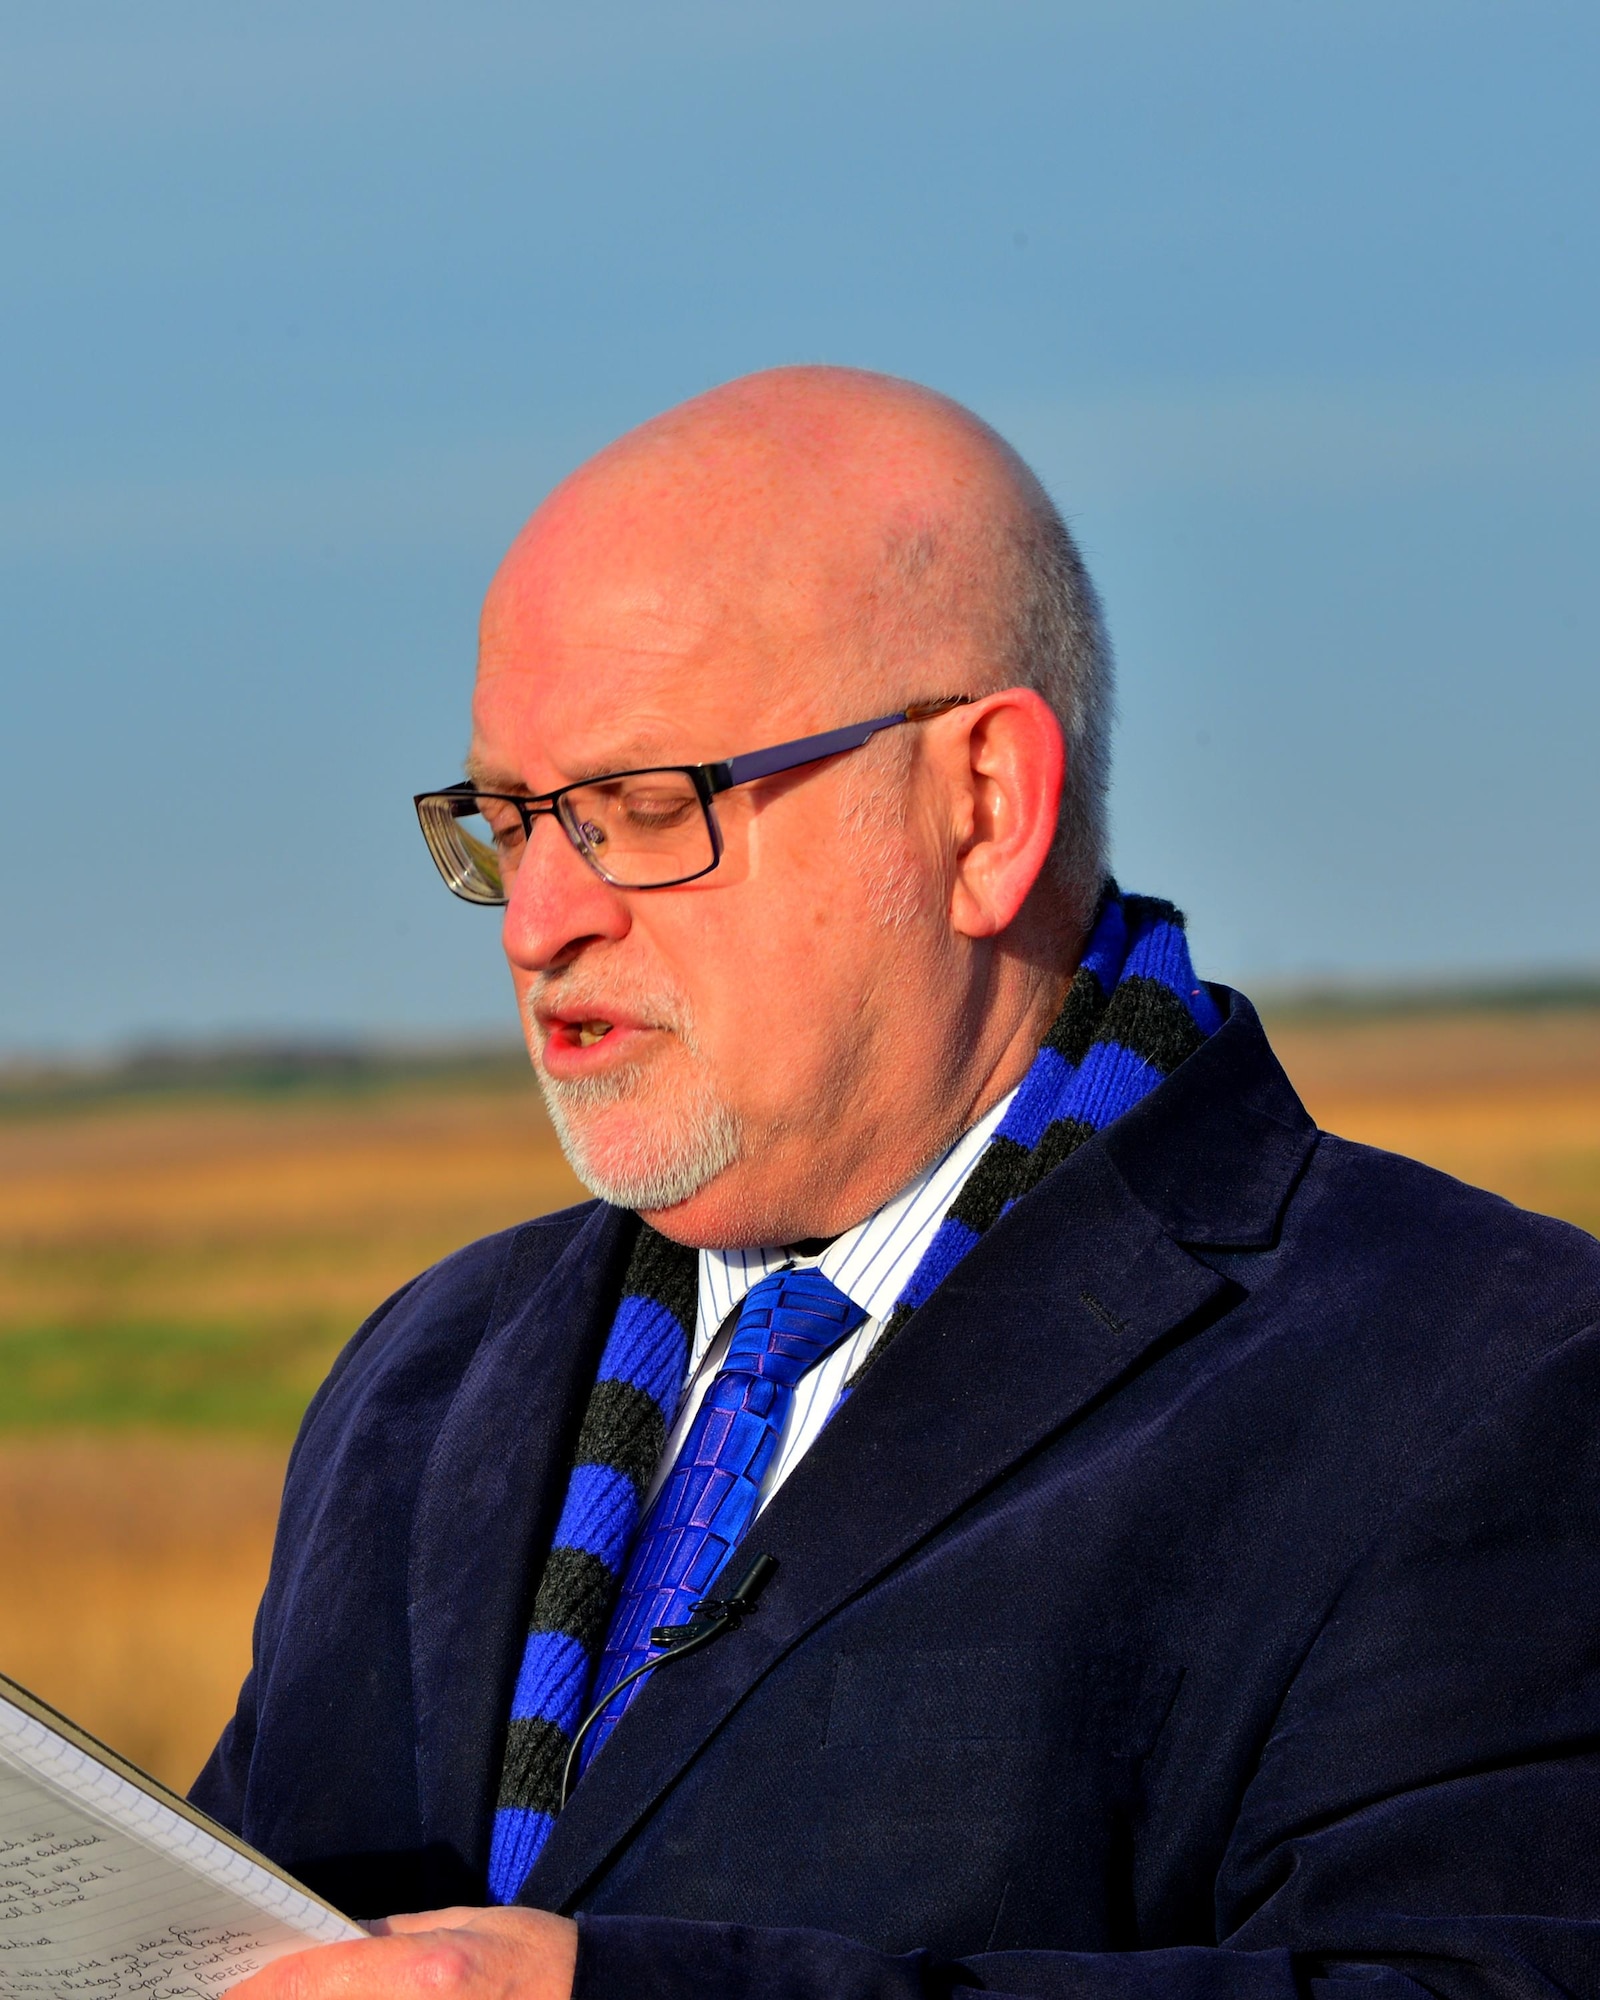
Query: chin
(651, 1159)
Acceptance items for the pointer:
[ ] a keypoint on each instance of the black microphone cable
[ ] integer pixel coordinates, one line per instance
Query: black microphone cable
(707, 1619)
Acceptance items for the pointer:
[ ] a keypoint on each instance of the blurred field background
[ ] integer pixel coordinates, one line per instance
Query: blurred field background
(186, 1242)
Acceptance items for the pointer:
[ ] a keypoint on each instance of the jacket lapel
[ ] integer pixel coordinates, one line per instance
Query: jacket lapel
(1060, 1299)
(494, 1483)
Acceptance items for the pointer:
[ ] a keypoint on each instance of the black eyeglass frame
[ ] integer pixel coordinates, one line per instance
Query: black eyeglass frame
(708, 780)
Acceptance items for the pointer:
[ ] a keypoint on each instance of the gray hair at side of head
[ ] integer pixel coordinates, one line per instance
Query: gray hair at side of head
(1054, 640)
(1016, 589)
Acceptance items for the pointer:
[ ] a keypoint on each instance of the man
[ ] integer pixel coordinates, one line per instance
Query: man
(1180, 1529)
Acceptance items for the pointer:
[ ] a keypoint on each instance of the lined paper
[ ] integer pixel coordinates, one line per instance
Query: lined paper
(107, 1889)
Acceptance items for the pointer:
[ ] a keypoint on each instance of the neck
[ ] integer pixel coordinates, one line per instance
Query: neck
(817, 1179)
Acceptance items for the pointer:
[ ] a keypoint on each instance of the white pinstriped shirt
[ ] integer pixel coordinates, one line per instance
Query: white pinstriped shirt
(871, 1264)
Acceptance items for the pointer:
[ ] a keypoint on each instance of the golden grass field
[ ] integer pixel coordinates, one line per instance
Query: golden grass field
(177, 1268)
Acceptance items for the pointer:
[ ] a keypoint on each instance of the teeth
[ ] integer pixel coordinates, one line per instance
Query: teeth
(590, 1032)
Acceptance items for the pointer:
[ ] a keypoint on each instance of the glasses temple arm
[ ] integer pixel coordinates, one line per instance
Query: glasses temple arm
(812, 749)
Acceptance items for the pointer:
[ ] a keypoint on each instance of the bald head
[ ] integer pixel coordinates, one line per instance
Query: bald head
(862, 951)
(855, 541)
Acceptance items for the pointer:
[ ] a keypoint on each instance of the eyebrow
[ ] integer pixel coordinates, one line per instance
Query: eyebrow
(484, 777)
(487, 779)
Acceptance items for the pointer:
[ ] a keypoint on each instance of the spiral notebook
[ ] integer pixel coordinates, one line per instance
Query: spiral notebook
(112, 1886)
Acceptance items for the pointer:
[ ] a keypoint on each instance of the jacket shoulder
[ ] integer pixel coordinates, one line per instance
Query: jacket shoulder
(423, 1336)
(1395, 1179)
(1403, 1221)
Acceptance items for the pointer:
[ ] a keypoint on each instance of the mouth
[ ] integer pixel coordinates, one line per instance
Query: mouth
(583, 1033)
(575, 1042)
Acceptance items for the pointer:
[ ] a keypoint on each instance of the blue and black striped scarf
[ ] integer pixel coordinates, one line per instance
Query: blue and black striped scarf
(1134, 1011)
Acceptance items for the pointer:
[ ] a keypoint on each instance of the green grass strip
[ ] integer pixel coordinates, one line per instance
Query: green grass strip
(254, 1376)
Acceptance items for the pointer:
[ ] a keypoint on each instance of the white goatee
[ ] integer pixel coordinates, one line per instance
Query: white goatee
(682, 1136)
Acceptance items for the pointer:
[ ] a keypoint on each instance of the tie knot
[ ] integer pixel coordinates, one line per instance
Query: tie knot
(787, 1323)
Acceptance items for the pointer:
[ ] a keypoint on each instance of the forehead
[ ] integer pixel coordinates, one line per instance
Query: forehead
(597, 656)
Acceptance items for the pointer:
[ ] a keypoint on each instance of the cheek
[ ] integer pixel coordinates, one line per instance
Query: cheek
(779, 999)
(783, 957)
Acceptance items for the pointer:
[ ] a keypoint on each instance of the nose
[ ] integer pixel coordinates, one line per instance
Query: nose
(557, 904)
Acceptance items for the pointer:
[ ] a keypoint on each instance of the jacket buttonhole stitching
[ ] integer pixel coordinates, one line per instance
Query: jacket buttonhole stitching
(1103, 1312)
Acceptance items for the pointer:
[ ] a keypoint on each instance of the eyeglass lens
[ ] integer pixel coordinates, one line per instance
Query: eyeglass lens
(639, 832)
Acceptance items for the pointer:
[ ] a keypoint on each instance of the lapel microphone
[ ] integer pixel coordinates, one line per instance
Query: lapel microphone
(707, 1619)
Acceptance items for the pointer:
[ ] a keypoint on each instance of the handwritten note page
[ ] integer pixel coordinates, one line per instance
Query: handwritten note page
(107, 1890)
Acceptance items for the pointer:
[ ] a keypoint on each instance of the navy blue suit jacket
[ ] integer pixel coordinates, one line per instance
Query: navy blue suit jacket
(1200, 1598)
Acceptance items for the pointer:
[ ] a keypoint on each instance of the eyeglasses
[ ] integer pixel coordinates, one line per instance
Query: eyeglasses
(648, 829)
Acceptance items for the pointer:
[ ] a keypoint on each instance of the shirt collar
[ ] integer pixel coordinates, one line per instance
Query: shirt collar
(871, 1263)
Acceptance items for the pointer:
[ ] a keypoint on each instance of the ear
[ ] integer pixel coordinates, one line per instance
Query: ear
(1004, 763)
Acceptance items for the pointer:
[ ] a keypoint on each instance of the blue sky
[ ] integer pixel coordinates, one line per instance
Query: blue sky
(1293, 307)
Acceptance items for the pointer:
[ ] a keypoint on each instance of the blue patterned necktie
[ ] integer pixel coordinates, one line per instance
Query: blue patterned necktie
(787, 1323)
